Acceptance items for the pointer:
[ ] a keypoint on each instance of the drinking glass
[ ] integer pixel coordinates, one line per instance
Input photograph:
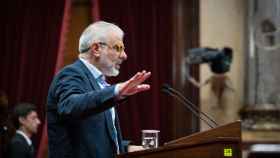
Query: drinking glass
(150, 139)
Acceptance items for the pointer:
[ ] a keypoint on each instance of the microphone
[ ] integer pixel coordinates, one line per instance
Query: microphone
(187, 103)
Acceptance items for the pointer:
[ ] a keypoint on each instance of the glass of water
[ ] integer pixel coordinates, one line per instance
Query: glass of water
(150, 139)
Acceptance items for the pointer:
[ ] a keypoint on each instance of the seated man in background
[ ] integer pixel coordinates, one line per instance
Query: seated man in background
(26, 121)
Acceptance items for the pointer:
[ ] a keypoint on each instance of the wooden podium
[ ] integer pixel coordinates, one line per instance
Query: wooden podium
(221, 142)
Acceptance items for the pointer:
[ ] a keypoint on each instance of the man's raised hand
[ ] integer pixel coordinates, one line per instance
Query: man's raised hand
(134, 85)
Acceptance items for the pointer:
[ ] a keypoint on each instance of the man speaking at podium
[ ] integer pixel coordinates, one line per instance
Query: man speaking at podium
(82, 120)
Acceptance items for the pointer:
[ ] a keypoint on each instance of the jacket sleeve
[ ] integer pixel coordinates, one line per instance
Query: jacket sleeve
(75, 98)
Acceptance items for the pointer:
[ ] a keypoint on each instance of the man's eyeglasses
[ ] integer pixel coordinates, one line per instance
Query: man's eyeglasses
(117, 47)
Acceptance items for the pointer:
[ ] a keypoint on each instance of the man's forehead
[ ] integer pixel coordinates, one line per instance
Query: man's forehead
(115, 39)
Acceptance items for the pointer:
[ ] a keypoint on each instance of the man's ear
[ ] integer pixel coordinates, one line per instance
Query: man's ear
(21, 120)
(95, 50)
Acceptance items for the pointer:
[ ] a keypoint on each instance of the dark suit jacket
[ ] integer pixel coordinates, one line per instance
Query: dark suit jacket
(19, 148)
(79, 120)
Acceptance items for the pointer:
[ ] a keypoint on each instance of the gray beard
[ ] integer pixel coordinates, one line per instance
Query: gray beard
(112, 73)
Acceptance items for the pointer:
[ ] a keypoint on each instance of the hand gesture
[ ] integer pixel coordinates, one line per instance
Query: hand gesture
(134, 85)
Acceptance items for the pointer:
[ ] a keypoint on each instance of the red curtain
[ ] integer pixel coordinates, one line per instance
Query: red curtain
(95, 12)
(42, 150)
(30, 38)
(148, 40)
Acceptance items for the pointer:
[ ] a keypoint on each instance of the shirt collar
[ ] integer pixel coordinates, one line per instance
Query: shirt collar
(94, 71)
(28, 140)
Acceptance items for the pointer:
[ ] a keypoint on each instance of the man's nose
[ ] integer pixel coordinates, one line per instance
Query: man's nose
(123, 55)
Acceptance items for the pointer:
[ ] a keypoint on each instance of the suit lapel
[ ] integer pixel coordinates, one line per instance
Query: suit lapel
(109, 123)
(93, 82)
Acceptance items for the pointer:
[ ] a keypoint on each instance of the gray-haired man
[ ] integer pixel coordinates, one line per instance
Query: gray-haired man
(82, 120)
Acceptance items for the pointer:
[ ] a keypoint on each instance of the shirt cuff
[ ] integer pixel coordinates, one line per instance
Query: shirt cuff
(116, 90)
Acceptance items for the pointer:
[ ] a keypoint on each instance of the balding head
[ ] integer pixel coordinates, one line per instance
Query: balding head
(98, 32)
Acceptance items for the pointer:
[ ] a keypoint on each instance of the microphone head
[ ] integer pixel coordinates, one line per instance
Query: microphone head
(165, 86)
(165, 91)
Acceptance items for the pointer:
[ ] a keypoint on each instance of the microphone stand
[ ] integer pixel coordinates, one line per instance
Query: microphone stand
(171, 91)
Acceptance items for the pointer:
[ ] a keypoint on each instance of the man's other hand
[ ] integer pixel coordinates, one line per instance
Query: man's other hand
(133, 148)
